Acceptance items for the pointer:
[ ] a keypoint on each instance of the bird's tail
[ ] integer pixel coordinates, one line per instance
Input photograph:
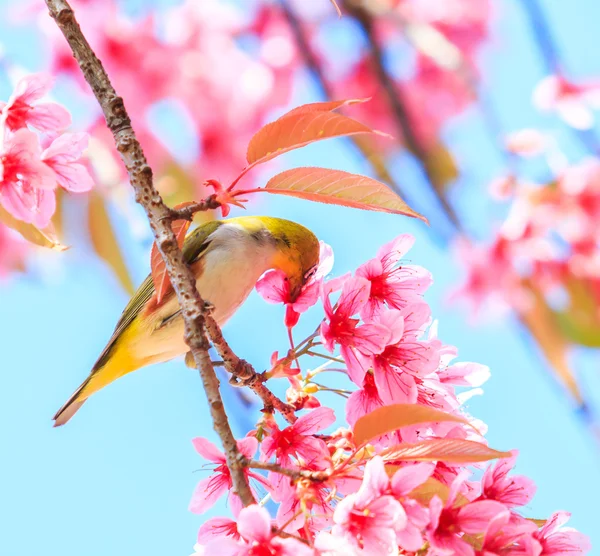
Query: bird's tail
(106, 370)
(72, 406)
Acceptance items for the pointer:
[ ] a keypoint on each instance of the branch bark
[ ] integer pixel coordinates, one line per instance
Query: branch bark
(159, 217)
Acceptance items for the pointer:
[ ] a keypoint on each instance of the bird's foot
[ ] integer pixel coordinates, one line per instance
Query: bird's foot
(244, 375)
(208, 307)
(189, 361)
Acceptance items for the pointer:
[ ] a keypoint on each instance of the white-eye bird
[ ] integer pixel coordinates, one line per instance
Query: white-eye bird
(227, 257)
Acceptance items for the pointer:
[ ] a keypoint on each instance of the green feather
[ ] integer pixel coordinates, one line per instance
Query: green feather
(195, 245)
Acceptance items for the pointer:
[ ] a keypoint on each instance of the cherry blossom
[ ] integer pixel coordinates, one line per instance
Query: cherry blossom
(26, 182)
(357, 342)
(209, 490)
(23, 109)
(64, 157)
(392, 284)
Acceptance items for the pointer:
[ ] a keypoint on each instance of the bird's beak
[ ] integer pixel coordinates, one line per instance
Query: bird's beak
(295, 291)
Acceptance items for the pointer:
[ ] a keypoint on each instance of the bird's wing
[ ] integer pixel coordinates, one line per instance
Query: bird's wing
(195, 244)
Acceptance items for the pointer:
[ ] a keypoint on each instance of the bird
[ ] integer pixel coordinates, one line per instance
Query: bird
(227, 258)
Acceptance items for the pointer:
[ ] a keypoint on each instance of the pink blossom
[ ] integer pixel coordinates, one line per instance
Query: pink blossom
(403, 482)
(22, 108)
(363, 400)
(558, 540)
(356, 342)
(63, 156)
(12, 250)
(392, 284)
(405, 357)
(26, 182)
(209, 490)
(513, 490)
(447, 521)
(573, 102)
(297, 440)
(256, 538)
(274, 287)
(509, 534)
(370, 517)
(218, 527)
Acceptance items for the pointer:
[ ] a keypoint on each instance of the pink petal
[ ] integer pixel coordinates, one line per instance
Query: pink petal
(73, 177)
(394, 386)
(315, 421)
(217, 527)
(371, 338)
(32, 87)
(464, 374)
(208, 450)
(360, 403)
(410, 538)
(375, 482)
(356, 363)
(475, 517)
(254, 523)
(207, 492)
(248, 446)
(68, 147)
(575, 113)
(355, 293)
(273, 287)
(408, 478)
(397, 248)
(49, 117)
(325, 260)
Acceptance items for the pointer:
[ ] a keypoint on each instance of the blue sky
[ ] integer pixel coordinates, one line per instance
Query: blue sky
(118, 478)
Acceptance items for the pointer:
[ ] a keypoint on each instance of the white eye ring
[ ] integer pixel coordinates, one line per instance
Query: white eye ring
(310, 273)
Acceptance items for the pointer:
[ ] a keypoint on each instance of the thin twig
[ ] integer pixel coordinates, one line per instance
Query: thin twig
(241, 370)
(316, 476)
(182, 279)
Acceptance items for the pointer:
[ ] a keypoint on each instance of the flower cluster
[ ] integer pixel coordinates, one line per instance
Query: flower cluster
(32, 165)
(30, 173)
(400, 479)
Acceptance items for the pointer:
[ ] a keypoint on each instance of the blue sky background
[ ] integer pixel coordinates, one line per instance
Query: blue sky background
(118, 478)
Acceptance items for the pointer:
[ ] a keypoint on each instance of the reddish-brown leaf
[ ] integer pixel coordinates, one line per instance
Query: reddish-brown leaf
(327, 106)
(298, 130)
(335, 187)
(540, 320)
(392, 417)
(44, 237)
(449, 450)
(105, 242)
(158, 269)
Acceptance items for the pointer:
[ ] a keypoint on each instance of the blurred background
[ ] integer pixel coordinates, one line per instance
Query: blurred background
(492, 106)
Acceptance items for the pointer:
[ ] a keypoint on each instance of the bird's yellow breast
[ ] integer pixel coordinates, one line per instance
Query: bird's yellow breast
(226, 274)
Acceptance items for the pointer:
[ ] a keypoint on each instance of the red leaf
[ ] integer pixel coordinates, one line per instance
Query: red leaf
(158, 269)
(298, 130)
(450, 450)
(335, 187)
(328, 106)
(392, 417)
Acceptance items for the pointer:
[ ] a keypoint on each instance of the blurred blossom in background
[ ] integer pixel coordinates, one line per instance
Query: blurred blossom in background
(492, 105)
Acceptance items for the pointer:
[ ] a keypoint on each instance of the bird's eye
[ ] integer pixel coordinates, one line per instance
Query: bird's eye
(310, 273)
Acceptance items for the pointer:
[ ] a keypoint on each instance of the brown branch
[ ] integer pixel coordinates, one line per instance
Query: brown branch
(187, 212)
(182, 279)
(315, 476)
(241, 370)
(399, 111)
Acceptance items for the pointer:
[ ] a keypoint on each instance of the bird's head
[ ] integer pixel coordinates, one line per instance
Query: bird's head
(297, 252)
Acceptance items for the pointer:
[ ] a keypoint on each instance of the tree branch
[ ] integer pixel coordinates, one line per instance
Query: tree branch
(241, 370)
(159, 216)
(316, 476)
